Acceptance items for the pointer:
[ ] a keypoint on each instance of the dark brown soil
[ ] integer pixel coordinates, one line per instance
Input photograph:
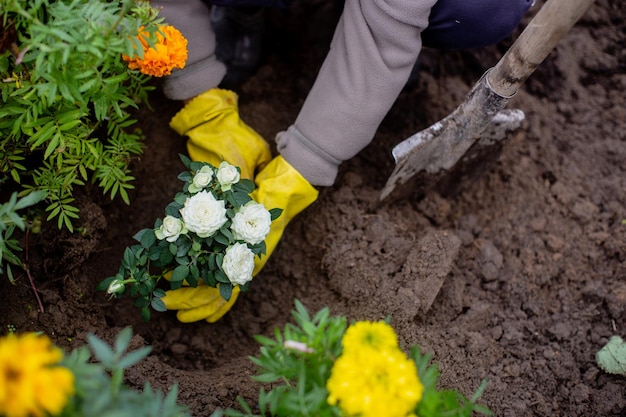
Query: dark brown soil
(515, 273)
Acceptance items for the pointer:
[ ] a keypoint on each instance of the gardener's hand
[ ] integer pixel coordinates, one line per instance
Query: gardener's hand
(216, 133)
(279, 185)
(199, 303)
(211, 121)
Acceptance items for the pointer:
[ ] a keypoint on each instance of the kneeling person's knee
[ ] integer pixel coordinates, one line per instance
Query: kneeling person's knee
(462, 24)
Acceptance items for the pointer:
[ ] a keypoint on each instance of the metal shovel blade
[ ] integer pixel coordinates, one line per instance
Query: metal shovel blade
(439, 147)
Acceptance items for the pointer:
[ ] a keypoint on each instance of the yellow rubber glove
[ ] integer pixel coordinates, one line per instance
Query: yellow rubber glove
(211, 121)
(199, 303)
(278, 185)
(216, 133)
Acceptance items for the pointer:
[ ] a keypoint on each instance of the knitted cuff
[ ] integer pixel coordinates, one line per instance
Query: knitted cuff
(313, 163)
(203, 71)
(194, 79)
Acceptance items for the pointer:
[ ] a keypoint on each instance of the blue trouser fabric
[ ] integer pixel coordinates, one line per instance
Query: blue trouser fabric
(453, 24)
(462, 24)
(281, 4)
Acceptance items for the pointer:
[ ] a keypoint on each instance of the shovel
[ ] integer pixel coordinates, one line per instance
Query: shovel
(438, 148)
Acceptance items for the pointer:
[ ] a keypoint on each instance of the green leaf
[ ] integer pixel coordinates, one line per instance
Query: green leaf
(9, 274)
(148, 238)
(104, 284)
(612, 357)
(225, 230)
(69, 125)
(196, 165)
(154, 253)
(221, 277)
(145, 288)
(194, 274)
(226, 291)
(220, 238)
(275, 213)
(145, 314)
(180, 273)
(122, 341)
(173, 209)
(135, 356)
(245, 185)
(209, 278)
(240, 198)
(183, 246)
(128, 260)
(101, 350)
(259, 249)
(230, 199)
(140, 234)
(185, 176)
(42, 135)
(185, 160)
(165, 256)
(141, 302)
(30, 199)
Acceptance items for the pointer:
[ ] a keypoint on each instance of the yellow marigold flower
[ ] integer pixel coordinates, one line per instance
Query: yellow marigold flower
(31, 382)
(383, 383)
(372, 335)
(373, 377)
(170, 52)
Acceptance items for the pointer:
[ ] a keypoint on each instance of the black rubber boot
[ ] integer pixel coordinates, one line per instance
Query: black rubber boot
(239, 38)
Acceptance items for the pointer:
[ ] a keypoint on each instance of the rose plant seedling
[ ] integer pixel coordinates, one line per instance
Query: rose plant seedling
(210, 235)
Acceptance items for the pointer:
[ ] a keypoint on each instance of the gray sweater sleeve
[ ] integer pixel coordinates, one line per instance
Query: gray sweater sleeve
(202, 71)
(375, 45)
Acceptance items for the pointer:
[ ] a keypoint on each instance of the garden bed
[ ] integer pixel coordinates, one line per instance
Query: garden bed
(525, 258)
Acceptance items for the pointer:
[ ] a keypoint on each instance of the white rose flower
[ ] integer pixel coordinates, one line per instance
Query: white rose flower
(202, 178)
(251, 223)
(170, 229)
(227, 175)
(203, 214)
(238, 263)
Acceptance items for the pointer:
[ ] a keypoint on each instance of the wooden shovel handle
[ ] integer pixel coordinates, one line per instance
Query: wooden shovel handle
(538, 39)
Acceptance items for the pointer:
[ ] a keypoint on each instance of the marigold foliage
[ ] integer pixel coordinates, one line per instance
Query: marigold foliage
(68, 98)
(10, 220)
(169, 52)
(316, 367)
(38, 380)
(33, 383)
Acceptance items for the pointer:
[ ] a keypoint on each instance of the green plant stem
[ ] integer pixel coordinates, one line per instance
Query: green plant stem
(125, 8)
(117, 376)
(27, 270)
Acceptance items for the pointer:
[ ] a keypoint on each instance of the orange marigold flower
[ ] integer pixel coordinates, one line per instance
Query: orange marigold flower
(170, 52)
